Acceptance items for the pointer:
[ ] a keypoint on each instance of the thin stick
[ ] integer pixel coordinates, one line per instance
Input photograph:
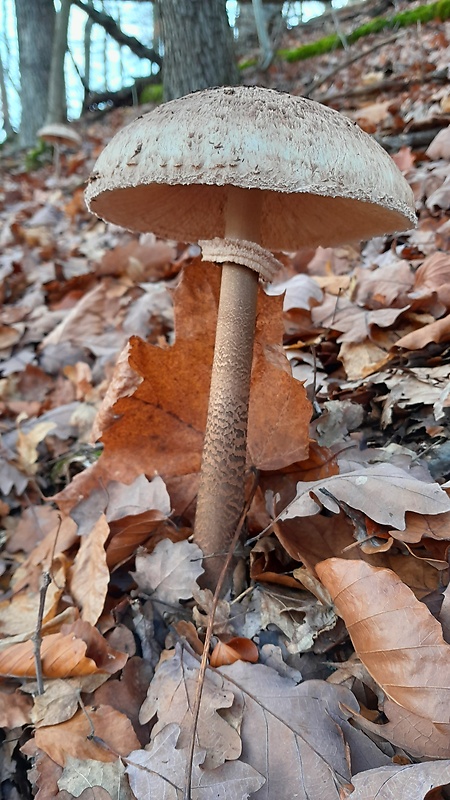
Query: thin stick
(46, 579)
(208, 635)
(319, 81)
(37, 636)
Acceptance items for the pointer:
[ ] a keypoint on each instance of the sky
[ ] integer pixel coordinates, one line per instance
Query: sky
(112, 66)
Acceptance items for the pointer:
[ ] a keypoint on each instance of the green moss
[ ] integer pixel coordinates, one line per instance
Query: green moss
(439, 10)
(151, 94)
(37, 156)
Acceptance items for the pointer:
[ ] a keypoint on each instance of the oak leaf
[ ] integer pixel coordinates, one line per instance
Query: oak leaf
(363, 487)
(161, 426)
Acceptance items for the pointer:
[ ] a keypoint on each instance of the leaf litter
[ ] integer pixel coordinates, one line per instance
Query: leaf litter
(342, 589)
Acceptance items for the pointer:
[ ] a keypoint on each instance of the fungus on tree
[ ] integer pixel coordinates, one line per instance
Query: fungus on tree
(244, 171)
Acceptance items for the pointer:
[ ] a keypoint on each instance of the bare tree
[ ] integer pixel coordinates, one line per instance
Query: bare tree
(7, 127)
(198, 46)
(35, 26)
(57, 109)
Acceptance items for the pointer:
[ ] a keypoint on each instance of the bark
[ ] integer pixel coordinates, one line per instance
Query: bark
(7, 127)
(57, 109)
(35, 26)
(198, 46)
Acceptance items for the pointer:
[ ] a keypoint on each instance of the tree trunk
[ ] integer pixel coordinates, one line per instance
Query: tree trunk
(35, 25)
(57, 109)
(7, 127)
(198, 46)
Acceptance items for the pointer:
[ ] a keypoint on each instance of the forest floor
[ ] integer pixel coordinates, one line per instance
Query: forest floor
(99, 533)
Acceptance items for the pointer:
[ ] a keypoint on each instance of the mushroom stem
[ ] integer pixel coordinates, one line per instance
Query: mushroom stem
(221, 493)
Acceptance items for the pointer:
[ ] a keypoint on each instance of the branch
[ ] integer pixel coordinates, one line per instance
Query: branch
(111, 27)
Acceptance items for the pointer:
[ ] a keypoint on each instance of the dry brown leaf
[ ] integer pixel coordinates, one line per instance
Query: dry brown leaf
(27, 444)
(362, 488)
(89, 576)
(108, 777)
(400, 782)
(420, 525)
(169, 573)
(438, 331)
(160, 771)
(356, 323)
(384, 286)
(127, 694)
(18, 616)
(394, 635)
(15, 709)
(161, 426)
(418, 736)
(62, 656)
(145, 529)
(106, 658)
(73, 737)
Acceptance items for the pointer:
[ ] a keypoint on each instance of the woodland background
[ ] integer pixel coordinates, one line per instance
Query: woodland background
(330, 670)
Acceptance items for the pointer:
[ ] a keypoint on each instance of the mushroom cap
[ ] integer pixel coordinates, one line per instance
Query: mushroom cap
(324, 181)
(58, 133)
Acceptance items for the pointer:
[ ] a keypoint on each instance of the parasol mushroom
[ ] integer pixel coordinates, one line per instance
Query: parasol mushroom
(59, 135)
(244, 171)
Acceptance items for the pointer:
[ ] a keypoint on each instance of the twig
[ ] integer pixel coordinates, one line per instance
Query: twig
(324, 78)
(208, 635)
(37, 636)
(46, 579)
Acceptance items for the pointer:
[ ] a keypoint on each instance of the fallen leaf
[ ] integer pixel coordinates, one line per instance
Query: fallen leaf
(160, 771)
(114, 736)
(169, 573)
(418, 736)
(438, 331)
(161, 426)
(400, 782)
(362, 489)
(27, 444)
(89, 576)
(15, 709)
(81, 773)
(356, 323)
(394, 635)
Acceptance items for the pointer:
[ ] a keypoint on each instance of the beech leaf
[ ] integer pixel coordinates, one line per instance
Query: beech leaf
(395, 636)
(382, 491)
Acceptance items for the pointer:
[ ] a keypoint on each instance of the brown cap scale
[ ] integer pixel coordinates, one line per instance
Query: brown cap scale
(244, 170)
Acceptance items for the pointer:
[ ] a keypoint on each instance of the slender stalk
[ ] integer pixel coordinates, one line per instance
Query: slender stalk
(221, 494)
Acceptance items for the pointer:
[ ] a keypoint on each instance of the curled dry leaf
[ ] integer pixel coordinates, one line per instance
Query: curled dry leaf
(62, 657)
(400, 782)
(399, 642)
(114, 736)
(89, 576)
(418, 736)
(362, 489)
(237, 649)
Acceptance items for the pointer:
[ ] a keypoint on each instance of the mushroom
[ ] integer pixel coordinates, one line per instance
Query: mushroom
(244, 171)
(59, 135)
